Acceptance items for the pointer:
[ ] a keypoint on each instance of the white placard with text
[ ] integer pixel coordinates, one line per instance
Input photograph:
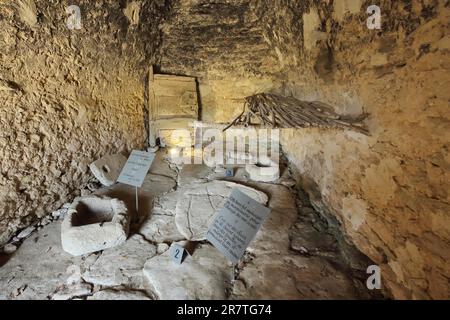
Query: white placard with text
(136, 168)
(236, 225)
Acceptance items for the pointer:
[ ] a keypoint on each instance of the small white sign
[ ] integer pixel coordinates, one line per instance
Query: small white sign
(136, 168)
(177, 253)
(236, 225)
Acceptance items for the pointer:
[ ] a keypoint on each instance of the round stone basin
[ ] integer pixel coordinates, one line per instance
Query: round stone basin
(265, 170)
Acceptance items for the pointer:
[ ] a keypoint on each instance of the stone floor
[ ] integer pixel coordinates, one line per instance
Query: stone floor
(294, 256)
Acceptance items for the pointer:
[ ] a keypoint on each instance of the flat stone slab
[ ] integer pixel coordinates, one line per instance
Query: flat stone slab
(161, 166)
(193, 173)
(157, 185)
(108, 168)
(161, 228)
(38, 268)
(160, 225)
(196, 209)
(68, 292)
(122, 265)
(107, 295)
(274, 233)
(167, 204)
(93, 224)
(202, 276)
(291, 277)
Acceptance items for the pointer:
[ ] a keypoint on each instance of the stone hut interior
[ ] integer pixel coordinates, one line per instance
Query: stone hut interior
(224, 150)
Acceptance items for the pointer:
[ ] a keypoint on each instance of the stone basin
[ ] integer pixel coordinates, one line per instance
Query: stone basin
(94, 224)
(265, 170)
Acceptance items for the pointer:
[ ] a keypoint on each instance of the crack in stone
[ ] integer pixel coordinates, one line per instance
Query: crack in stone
(189, 215)
(154, 243)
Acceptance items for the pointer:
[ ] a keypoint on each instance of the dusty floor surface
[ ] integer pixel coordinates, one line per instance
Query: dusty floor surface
(294, 256)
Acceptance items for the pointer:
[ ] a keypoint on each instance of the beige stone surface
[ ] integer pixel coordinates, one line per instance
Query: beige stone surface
(27, 12)
(81, 96)
(107, 169)
(73, 96)
(121, 266)
(161, 228)
(202, 276)
(281, 277)
(40, 269)
(196, 209)
(389, 190)
(119, 295)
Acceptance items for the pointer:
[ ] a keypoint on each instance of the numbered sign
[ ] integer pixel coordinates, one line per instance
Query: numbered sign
(178, 253)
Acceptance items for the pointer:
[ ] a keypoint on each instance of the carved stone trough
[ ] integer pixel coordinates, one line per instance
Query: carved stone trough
(93, 224)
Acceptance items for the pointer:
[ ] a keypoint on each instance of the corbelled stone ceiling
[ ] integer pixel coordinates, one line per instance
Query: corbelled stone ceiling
(344, 201)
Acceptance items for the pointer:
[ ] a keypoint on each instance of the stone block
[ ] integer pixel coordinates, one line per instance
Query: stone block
(108, 168)
(93, 224)
(202, 276)
(197, 207)
(265, 170)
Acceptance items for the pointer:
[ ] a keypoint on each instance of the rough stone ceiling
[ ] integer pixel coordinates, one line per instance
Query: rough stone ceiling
(215, 35)
(71, 97)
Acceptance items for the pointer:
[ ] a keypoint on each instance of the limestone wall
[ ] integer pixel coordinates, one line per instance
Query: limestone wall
(67, 97)
(388, 191)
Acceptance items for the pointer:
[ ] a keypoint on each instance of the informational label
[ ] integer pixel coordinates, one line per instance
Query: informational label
(236, 225)
(177, 253)
(136, 168)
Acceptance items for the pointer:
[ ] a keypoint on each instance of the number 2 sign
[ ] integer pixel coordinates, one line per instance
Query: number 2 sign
(177, 253)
